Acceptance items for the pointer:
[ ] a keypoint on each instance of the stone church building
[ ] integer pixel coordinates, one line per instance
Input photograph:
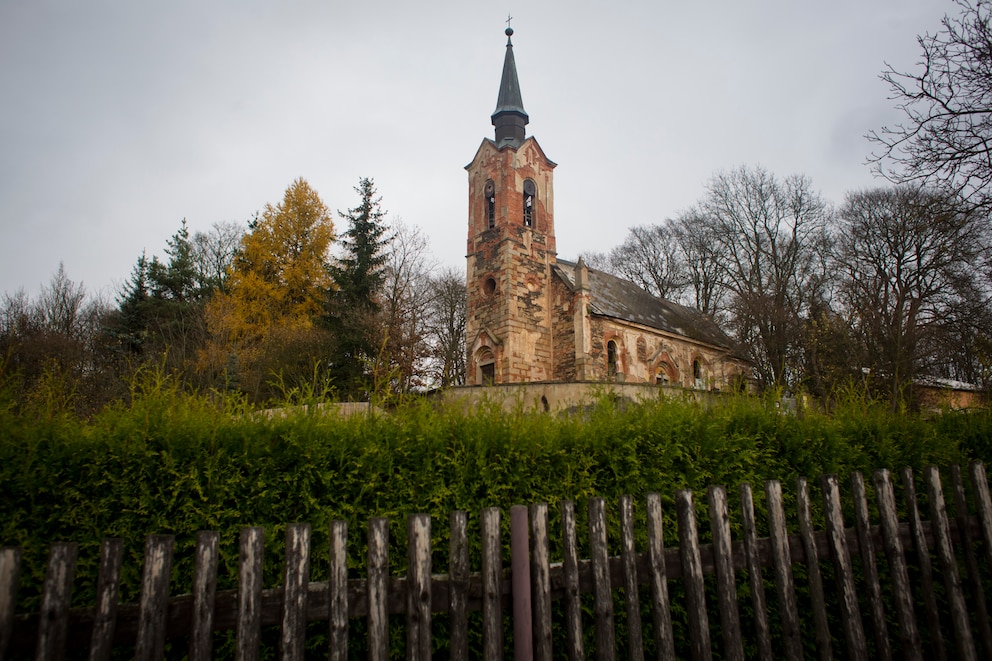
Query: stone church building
(532, 317)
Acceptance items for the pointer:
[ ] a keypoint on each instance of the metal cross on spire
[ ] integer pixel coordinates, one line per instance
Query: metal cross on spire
(508, 19)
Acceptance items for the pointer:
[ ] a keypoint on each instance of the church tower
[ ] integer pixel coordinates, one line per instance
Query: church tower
(511, 248)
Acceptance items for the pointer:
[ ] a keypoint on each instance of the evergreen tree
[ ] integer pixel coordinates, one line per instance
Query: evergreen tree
(177, 280)
(131, 325)
(354, 303)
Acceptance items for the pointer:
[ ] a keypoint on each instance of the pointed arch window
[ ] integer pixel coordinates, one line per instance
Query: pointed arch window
(611, 360)
(530, 201)
(490, 194)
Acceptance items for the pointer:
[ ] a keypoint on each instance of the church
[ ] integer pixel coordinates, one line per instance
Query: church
(533, 318)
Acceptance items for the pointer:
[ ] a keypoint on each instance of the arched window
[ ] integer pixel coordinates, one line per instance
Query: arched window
(486, 366)
(611, 360)
(530, 200)
(697, 375)
(490, 194)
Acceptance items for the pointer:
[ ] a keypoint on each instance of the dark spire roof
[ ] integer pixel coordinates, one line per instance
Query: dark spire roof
(509, 118)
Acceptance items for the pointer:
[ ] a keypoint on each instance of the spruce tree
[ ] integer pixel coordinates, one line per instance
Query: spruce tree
(353, 304)
(131, 328)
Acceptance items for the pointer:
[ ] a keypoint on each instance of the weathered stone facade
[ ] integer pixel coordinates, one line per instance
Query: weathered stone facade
(532, 318)
(509, 264)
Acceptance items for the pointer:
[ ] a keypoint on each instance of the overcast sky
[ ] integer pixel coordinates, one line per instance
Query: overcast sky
(119, 119)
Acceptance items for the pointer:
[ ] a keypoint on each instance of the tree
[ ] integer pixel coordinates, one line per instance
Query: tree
(214, 252)
(908, 259)
(944, 140)
(698, 252)
(354, 303)
(50, 346)
(275, 291)
(446, 328)
(160, 313)
(129, 328)
(768, 237)
(650, 258)
(177, 280)
(406, 298)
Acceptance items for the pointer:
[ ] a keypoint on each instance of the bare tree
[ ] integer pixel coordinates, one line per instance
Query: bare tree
(52, 344)
(908, 260)
(60, 304)
(405, 305)
(694, 236)
(650, 258)
(944, 140)
(214, 252)
(446, 328)
(768, 237)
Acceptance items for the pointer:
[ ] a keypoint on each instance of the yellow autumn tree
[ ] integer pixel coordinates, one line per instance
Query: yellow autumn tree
(263, 323)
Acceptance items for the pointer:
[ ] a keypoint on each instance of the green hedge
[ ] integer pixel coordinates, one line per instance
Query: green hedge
(173, 463)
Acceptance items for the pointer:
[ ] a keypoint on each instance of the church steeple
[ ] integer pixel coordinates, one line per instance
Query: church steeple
(509, 118)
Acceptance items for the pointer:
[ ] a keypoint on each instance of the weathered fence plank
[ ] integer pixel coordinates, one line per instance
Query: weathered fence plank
(295, 589)
(154, 603)
(523, 618)
(757, 584)
(107, 590)
(824, 645)
(937, 648)
(457, 586)
(628, 557)
(692, 576)
(782, 562)
(862, 523)
(971, 563)
(541, 581)
(850, 613)
(602, 588)
(10, 571)
(902, 594)
(726, 579)
(963, 640)
(570, 582)
(418, 588)
(492, 577)
(250, 557)
(337, 589)
(661, 610)
(54, 621)
(204, 594)
(378, 576)
(983, 504)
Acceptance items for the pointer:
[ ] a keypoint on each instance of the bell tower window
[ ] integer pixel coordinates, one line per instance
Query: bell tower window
(490, 193)
(530, 199)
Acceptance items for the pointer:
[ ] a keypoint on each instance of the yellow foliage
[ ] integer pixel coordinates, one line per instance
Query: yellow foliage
(279, 280)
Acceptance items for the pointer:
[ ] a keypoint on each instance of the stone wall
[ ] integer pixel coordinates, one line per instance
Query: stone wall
(562, 397)
(645, 355)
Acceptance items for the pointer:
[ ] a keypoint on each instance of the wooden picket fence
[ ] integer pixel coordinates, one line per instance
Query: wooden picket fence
(910, 619)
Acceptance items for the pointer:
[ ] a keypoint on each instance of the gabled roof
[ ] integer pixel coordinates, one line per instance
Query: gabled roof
(610, 296)
(531, 140)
